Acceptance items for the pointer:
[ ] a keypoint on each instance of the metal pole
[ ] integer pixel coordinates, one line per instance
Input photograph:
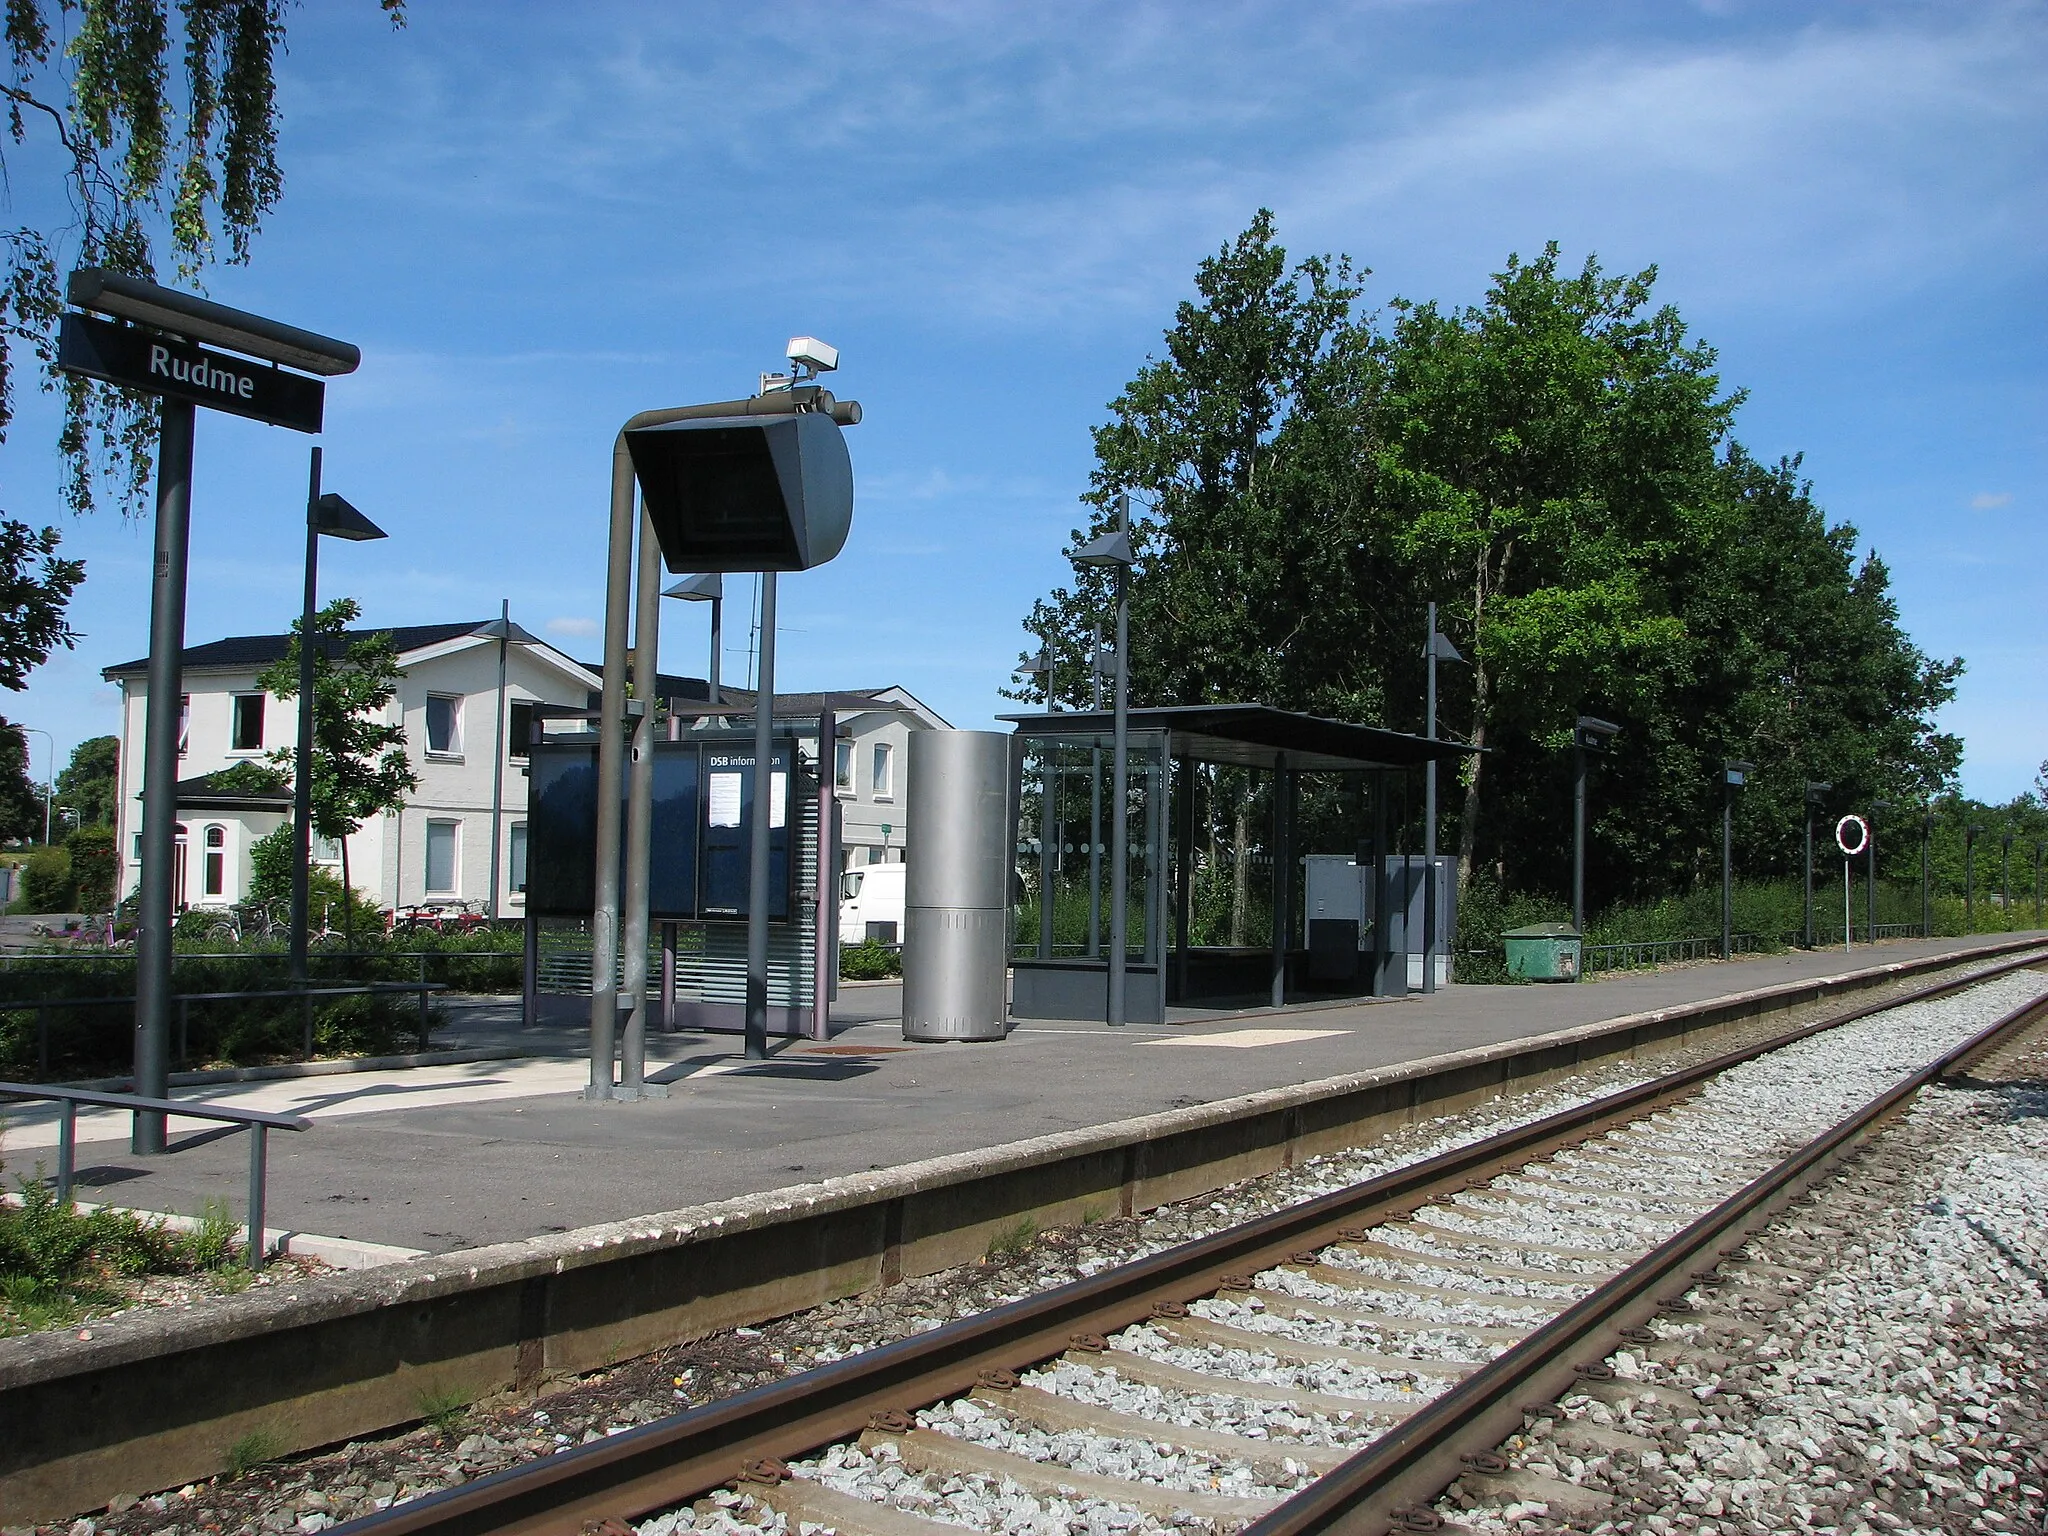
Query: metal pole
(1048, 818)
(1429, 825)
(1095, 804)
(302, 786)
(717, 641)
(1283, 866)
(1870, 882)
(1119, 772)
(1809, 875)
(1926, 896)
(825, 953)
(1847, 930)
(604, 916)
(1970, 881)
(2005, 883)
(259, 1146)
(164, 706)
(498, 761)
(529, 972)
(757, 867)
(2037, 885)
(640, 815)
(1578, 838)
(67, 1150)
(1727, 871)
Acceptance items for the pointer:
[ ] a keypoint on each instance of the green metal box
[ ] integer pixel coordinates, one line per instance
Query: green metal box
(1543, 952)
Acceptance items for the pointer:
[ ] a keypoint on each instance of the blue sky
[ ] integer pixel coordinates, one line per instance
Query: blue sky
(536, 220)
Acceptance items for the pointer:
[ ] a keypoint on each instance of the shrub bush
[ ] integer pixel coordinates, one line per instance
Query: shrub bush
(869, 960)
(46, 884)
(94, 866)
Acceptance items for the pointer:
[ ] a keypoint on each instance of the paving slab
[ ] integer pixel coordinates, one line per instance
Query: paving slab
(461, 1155)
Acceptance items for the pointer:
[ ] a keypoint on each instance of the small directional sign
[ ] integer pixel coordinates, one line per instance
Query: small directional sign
(158, 364)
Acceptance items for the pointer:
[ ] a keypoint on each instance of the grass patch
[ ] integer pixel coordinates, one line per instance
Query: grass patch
(257, 1448)
(444, 1408)
(1013, 1240)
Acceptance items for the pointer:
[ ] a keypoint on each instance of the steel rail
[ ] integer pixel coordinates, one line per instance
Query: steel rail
(1389, 1485)
(670, 1461)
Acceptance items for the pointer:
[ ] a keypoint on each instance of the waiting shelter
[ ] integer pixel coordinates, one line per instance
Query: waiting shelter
(1272, 857)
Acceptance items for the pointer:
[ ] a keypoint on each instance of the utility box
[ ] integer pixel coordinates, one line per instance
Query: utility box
(1543, 952)
(1344, 900)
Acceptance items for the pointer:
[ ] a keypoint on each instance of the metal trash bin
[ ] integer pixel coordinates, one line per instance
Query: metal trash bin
(1543, 952)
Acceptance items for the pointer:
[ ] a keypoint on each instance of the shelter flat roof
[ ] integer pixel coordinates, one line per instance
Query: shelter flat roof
(1256, 735)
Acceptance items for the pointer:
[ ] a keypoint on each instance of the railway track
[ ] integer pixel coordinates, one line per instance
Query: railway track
(1330, 1367)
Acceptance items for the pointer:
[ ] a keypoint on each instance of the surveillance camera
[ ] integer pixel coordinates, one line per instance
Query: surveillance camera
(812, 353)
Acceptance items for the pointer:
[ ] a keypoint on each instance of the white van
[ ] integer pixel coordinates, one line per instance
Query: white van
(871, 903)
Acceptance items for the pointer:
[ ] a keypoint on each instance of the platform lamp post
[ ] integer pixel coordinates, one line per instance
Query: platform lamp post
(1970, 834)
(1733, 776)
(328, 516)
(1100, 665)
(1816, 797)
(2037, 885)
(1436, 648)
(1926, 888)
(507, 634)
(708, 588)
(2005, 881)
(1589, 737)
(1870, 872)
(1114, 550)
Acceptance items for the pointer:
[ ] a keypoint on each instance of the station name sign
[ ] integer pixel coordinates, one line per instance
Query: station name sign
(157, 364)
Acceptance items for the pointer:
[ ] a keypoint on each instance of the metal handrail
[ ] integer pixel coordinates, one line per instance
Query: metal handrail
(184, 1000)
(1693, 948)
(258, 1122)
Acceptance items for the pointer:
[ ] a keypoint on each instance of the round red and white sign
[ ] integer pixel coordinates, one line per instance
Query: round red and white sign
(1852, 835)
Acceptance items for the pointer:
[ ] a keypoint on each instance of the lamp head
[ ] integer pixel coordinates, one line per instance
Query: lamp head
(1592, 735)
(708, 588)
(1735, 774)
(1112, 548)
(334, 518)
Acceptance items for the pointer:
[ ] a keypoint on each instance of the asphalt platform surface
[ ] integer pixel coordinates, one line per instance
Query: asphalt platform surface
(457, 1156)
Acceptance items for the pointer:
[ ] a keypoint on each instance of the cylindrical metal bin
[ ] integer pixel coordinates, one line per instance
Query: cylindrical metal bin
(955, 936)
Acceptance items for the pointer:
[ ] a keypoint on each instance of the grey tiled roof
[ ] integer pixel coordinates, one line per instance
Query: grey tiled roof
(239, 652)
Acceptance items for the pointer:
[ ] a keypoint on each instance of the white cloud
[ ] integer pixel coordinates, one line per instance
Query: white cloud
(571, 626)
(1985, 501)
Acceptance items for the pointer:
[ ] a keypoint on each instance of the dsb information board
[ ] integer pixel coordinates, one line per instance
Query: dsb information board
(700, 830)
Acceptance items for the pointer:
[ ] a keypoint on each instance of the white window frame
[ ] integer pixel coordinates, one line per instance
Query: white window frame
(518, 850)
(236, 702)
(882, 770)
(453, 751)
(454, 886)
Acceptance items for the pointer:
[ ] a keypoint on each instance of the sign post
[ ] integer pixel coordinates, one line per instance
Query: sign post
(157, 353)
(1852, 836)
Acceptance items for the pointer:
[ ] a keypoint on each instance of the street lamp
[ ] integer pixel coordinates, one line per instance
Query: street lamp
(1970, 878)
(330, 516)
(1589, 735)
(507, 634)
(1437, 648)
(49, 774)
(1816, 797)
(1113, 550)
(1870, 871)
(2005, 883)
(708, 588)
(1926, 890)
(1733, 776)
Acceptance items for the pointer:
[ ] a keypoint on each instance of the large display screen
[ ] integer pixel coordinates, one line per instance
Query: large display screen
(703, 799)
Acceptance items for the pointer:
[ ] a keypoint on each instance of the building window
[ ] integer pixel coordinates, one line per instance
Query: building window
(441, 857)
(842, 766)
(444, 724)
(884, 784)
(326, 850)
(184, 722)
(138, 847)
(248, 727)
(216, 860)
(517, 873)
(519, 734)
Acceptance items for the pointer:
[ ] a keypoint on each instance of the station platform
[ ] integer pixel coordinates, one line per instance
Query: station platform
(437, 1158)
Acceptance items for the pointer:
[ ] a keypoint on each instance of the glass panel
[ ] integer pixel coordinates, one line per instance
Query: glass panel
(442, 732)
(248, 735)
(440, 858)
(519, 731)
(517, 861)
(842, 766)
(1066, 810)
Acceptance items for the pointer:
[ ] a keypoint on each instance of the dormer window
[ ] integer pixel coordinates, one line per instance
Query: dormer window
(444, 725)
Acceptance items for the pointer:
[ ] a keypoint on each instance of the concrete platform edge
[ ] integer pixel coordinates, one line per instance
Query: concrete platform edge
(151, 1400)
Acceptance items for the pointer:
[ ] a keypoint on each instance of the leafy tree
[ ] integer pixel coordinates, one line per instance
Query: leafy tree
(95, 866)
(162, 135)
(21, 807)
(90, 783)
(360, 767)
